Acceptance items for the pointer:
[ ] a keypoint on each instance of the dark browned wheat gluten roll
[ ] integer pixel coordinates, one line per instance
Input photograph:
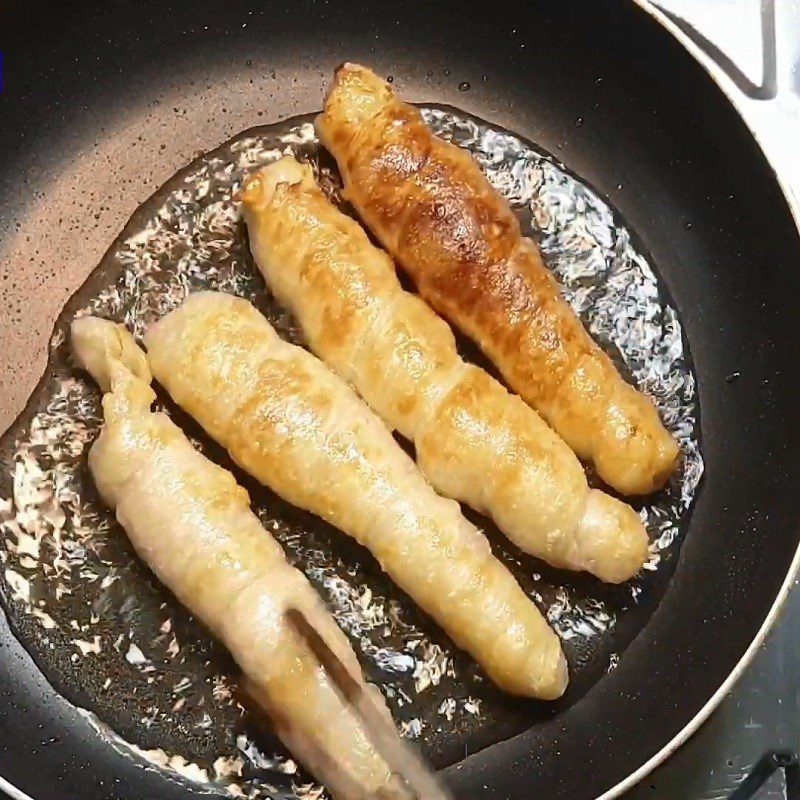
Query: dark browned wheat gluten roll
(430, 205)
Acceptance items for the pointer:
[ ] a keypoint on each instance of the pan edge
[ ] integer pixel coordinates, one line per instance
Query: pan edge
(715, 73)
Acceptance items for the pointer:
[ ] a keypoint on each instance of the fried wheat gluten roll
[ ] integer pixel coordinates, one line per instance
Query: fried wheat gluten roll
(191, 523)
(432, 208)
(475, 442)
(299, 429)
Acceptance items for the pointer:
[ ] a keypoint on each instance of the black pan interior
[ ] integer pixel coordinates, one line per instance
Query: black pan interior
(600, 85)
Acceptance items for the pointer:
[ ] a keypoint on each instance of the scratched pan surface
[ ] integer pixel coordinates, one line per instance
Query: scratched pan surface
(104, 104)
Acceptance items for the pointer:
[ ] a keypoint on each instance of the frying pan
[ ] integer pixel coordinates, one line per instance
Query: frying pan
(88, 130)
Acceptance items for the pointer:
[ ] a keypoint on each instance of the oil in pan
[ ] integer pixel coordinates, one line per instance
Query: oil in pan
(118, 645)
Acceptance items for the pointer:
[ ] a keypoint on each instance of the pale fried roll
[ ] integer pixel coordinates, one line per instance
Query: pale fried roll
(475, 442)
(299, 429)
(430, 205)
(191, 523)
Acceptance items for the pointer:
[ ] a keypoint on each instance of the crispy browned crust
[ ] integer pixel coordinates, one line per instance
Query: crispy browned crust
(432, 207)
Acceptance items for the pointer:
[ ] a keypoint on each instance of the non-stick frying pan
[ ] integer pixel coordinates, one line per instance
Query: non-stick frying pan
(88, 130)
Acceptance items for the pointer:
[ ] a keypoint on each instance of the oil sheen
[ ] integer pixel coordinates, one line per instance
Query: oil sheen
(150, 679)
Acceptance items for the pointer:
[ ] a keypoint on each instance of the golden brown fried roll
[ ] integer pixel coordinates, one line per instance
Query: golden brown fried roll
(475, 442)
(191, 523)
(433, 209)
(299, 429)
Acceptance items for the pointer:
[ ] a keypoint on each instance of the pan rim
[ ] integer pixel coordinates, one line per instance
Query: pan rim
(12, 791)
(727, 685)
(794, 569)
